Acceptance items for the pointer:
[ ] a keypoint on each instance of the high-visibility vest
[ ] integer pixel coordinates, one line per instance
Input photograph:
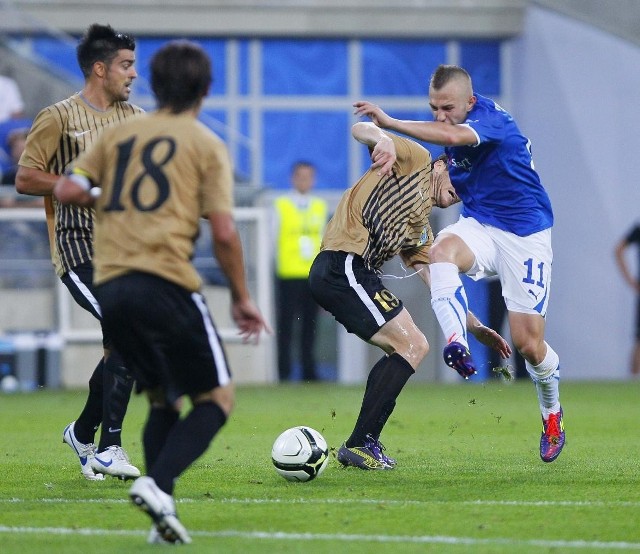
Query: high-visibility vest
(299, 235)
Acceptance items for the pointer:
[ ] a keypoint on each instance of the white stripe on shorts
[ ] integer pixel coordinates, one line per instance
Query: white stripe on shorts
(362, 294)
(85, 291)
(224, 377)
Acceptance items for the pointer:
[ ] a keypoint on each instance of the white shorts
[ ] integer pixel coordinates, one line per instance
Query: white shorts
(523, 264)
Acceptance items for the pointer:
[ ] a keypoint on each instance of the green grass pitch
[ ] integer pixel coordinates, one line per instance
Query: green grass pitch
(469, 477)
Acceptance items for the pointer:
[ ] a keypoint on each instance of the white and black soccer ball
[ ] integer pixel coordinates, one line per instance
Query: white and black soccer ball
(300, 454)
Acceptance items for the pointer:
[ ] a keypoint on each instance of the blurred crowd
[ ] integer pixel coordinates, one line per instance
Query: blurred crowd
(24, 245)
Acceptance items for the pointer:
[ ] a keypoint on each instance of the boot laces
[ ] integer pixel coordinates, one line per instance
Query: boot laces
(552, 429)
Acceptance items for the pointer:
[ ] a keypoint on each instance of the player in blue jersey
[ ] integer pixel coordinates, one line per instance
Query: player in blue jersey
(504, 229)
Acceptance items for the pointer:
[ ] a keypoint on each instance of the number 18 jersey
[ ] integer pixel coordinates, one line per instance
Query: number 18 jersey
(159, 175)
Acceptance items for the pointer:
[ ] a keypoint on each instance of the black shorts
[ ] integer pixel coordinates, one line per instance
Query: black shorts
(79, 282)
(164, 333)
(342, 284)
(638, 318)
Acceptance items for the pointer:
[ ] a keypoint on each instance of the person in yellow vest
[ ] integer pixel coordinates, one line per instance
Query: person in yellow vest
(300, 219)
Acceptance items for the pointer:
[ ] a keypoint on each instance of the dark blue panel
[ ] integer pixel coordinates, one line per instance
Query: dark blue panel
(216, 120)
(400, 68)
(61, 55)
(146, 47)
(217, 50)
(319, 137)
(244, 166)
(304, 67)
(244, 83)
(482, 60)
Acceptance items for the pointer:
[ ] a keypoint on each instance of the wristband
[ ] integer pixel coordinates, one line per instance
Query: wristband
(81, 180)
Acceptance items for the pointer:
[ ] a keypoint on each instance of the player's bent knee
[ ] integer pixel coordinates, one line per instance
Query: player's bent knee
(222, 396)
(531, 350)
(437, 253)
(442, 249)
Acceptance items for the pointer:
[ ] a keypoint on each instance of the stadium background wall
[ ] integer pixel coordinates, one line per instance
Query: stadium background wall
(287, 73)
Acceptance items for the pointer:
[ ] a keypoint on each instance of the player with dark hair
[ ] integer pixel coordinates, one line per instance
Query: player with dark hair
(504, 230)
(101, 44)
(377, 218)
(58, 135)
(158, 176)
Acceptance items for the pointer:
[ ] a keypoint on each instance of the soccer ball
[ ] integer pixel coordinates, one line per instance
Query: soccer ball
(300, 454)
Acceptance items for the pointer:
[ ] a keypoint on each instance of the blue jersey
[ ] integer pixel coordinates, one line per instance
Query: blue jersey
(495, 179)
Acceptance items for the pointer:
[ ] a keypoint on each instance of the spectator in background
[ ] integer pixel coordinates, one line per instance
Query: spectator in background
(300, 219)
(632, 238)
(11, 103)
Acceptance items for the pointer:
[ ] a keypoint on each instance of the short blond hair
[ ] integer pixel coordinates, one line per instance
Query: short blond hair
(445, 73)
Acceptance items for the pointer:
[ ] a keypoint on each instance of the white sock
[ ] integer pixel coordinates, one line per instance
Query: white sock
(449, 301)
(546, 376)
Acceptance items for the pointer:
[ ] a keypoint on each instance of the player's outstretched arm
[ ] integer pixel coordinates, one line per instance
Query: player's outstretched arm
(374, 113)
(435, 132)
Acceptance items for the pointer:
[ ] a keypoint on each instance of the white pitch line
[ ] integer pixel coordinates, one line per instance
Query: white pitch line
(348, 501)
(340, 537)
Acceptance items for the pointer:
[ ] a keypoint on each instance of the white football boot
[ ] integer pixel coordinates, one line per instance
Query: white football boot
(114, 461)
(85, 453)
(161, 508)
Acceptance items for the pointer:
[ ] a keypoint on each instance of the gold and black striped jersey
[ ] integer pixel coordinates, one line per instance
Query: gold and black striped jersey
(60, 132)
(381, 216)
(160, 174)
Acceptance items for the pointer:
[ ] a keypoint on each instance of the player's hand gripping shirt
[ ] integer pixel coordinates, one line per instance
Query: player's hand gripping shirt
(380, 216)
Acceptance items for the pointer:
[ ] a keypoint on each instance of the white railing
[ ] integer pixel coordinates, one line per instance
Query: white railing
(254, 229)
